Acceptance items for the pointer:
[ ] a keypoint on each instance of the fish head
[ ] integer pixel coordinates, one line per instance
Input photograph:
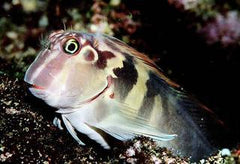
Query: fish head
(67, 73)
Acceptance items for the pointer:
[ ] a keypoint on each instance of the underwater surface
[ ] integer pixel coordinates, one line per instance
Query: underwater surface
(195, 43)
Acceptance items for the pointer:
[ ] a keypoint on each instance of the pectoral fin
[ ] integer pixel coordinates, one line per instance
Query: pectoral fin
(125, 124)
(83, 128)
(71, 130)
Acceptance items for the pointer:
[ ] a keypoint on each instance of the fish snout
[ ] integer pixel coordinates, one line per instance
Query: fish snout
(37, 79)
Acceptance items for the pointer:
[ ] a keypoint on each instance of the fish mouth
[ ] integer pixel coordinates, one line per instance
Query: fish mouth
(32, 86)
(36, 87)
(109, 82)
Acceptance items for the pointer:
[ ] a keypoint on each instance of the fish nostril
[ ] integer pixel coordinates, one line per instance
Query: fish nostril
(49, 46)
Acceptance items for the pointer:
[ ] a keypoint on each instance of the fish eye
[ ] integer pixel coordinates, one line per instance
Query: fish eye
(71, 46)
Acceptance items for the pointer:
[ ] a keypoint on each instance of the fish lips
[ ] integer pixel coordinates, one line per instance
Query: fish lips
(38, 91)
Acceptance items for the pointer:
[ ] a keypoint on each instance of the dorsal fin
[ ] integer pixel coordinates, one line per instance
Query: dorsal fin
(121, 46)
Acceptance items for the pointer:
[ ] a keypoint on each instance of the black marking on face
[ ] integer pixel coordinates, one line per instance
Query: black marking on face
(155, 86)
(127, 77)
(103, 56)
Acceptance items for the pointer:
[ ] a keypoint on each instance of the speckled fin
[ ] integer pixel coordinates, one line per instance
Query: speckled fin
(125, 124)
(71, 130)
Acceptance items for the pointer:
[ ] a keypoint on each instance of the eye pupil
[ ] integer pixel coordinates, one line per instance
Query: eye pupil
(71, 46)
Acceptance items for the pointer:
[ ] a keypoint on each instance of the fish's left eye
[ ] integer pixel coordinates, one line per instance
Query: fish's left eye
(71, 46)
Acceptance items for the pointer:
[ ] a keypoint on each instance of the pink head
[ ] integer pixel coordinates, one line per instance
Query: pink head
(67, 73)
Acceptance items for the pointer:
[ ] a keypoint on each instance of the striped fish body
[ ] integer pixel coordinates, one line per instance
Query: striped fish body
(101, 85)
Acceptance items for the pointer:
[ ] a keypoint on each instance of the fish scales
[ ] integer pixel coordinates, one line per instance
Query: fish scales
(100, 84)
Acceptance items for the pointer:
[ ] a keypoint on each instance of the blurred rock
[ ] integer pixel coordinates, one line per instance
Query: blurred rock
(29, 5)
(12, 35)
(224, 29)
(43, 21)
(115, 2)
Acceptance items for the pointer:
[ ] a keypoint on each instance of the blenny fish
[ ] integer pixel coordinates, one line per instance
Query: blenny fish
(101, 86)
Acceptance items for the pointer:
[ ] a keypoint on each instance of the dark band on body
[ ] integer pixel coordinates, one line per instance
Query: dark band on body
(127, 77)
(155, 86)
